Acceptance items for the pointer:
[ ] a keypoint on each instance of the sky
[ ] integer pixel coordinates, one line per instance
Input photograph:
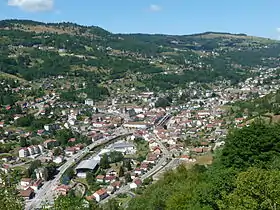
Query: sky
(253, 17)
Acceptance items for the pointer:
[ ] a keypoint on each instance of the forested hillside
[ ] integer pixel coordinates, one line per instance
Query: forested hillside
(33, 50)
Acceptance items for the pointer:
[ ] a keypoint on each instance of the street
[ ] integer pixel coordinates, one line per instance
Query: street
(46, 193)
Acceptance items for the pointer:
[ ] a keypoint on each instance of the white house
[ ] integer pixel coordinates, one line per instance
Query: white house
(31, 150)
(24, 182)
(58, 159)
(70, 151)
(89, 102)
(23, 152)
(136, 183)
(100, 195)
(98, 124)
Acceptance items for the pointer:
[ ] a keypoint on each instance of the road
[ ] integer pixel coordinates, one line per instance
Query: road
(46, 193)
(163, 161)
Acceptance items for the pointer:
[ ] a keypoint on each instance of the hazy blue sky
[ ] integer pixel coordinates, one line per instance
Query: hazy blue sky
(254, 17)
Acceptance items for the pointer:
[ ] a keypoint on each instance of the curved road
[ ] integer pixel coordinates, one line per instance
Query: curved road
(46, 193)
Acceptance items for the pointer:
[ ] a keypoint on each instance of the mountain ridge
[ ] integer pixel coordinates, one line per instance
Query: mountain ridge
(32, 22)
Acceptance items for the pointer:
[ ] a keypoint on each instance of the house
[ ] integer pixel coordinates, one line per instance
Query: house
(39, 173)
(40, 132)
(24, 182)
(144, 166)
(1, 124)
(116, 184)
(72, 140)
(58, 159)
(23, 152)
(31, 150)
(70, 151)
(109, 179)
(184, 157)
(152, 158)
(89, 102)
(27, 194)
(152, 144)
(100, 178)
(110, 189)
(136, 183)
(62, 190)
(36, 185)
(51, 127)
(197, 150)
(157, 151)
(136, 109)
(111, 172)
(138, 171)
(133, 175)
(239, 120)
(100, 195)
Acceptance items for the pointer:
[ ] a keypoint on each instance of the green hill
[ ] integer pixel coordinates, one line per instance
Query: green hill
(34, 50)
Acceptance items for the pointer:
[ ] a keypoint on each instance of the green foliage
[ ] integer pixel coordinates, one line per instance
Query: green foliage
(255, 189)
(163, 102)
(36, 55)
(128, 178)
(33, 165)
(50, 171)
(72, 203)
(104, 162)
(255, 145)
(127, 164)
(90, 178)
(121, 172)
(62, 136)
(9, 199)
(115, 157)
(268, 104)
(25, 121)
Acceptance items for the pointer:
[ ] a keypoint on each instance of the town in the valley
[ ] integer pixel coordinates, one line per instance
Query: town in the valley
(115, 148)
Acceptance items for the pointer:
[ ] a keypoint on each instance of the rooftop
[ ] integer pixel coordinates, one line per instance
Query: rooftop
(88, 164)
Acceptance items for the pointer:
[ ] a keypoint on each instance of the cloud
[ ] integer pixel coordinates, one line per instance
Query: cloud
(32, 5)
(278, 33)
(154, 8)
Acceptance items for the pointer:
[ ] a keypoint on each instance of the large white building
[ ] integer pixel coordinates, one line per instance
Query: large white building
(135, 125)
(31, 150)
(23, 152)
(123, 147)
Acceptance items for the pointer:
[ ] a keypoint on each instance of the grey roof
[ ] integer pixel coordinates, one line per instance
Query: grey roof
(122, 145)
(88, 164)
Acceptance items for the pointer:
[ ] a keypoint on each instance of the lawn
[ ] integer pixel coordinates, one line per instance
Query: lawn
(142, 147)
(206, 159)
